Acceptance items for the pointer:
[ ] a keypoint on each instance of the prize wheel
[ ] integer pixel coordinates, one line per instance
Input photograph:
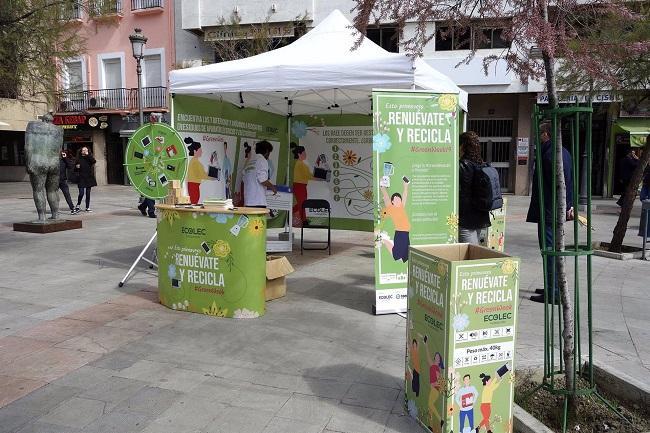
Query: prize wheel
(154, 157)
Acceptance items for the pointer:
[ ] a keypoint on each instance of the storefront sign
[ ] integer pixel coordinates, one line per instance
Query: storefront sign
(81, 121)
(461, 338)
(415, 183)
(212, 263)
(523, 150)
(565, 98)
(233, 33)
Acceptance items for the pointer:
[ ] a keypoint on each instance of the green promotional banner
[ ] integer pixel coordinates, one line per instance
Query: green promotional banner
(212, 263)
(227, 135)
(155, 155)
(461, 330)
(415, 185)
(494, 237)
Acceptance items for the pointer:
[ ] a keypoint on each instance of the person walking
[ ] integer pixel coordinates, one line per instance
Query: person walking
(256, 176)
(86, 168)
(147, 207)
(534, 212)
(626, 168)
(470, 219)
(65, 163)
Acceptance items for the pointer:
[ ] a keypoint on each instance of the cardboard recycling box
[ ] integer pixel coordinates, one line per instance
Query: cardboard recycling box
(277, 268)
(461, 329)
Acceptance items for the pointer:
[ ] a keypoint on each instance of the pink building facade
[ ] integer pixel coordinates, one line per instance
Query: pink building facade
(98, 100)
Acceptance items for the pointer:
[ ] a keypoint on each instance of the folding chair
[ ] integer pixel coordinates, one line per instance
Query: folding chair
(317, 204)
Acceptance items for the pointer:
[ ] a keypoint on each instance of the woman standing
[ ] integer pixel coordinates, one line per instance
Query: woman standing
(301, 176)
(195, 171)
(489, 386)
(471, 220)
(86, 168)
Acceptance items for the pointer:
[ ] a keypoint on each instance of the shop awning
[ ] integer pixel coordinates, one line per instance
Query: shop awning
(638, 128)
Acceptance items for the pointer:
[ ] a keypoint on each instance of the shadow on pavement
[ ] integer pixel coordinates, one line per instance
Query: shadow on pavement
(355, 295)
(371, 390)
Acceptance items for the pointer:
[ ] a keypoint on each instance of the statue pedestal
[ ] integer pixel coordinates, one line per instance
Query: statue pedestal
(47, 227)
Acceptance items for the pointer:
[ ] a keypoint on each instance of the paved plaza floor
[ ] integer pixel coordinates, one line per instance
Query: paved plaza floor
(80, 354)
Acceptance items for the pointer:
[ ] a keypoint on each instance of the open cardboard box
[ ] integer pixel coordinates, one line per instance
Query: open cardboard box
(459, 252)
(277, 268)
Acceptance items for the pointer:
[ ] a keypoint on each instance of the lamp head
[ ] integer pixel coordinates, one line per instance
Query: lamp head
(138, 41)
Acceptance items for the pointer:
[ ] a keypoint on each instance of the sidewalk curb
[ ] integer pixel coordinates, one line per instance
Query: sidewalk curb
(622, 386)
(526, 423)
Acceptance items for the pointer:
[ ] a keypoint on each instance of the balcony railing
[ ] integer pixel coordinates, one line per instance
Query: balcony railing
(105, 7)
(145, 4)
(70, 10)
(111, 99)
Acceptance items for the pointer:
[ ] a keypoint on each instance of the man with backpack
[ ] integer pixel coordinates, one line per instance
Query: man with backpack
(480, 190)
(534, 212)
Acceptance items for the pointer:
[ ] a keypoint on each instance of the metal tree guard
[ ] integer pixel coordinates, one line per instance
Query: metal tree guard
(553, 327)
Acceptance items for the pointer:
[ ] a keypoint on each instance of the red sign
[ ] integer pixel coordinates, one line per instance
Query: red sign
(70, 122)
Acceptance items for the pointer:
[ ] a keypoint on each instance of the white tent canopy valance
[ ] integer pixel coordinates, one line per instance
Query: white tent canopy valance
(320, 73)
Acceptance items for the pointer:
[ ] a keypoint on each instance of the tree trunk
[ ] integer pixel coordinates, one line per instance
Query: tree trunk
(615, 246)
(568, 333)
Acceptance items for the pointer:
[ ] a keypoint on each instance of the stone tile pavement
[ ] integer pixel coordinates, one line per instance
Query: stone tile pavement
(79, 354)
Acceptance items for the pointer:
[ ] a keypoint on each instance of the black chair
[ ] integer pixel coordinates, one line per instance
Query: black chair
(321, 205)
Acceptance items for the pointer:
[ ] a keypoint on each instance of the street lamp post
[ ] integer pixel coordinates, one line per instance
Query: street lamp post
(138, 41)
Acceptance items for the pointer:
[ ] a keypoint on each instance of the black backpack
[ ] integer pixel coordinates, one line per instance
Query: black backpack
(486, 188)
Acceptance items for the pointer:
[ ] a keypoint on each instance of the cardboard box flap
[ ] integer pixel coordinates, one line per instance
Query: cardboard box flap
(277, 266)
(459, 252)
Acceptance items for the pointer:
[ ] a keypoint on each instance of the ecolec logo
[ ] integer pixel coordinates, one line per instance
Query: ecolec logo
(193, 231)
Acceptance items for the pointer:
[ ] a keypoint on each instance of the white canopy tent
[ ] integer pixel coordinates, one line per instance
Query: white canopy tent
(320, 73)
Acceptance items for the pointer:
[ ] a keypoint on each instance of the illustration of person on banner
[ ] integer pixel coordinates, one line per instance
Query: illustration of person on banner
(413, 373)
(436, 379)
(301, 176)
(196, 173)
(490, 384)
(395, 210)
(226, 168)
(465, 398)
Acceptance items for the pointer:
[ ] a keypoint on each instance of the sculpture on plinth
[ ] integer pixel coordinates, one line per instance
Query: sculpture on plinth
(43, 142)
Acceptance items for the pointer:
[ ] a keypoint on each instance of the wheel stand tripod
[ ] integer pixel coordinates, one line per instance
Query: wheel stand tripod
(152, 263)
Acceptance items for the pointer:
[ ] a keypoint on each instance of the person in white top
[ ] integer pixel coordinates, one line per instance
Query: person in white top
(256, 176)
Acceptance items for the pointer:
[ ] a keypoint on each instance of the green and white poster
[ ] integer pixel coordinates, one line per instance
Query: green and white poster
(155, 156)
(461, 330)
(227, 135)
(415, 184)
(212, 263)
(336, 166)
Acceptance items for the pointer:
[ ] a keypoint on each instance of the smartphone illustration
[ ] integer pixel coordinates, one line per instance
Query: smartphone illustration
(235, 230)
(163, 179)
(406, 179)
(146, 141)
(243, 221)
(205, 247)
(138, 155)
(171, 167)
(176, 283)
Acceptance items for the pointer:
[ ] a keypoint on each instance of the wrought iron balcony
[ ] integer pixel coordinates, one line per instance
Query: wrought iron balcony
(145, 4)
(70, 10)
(110, 99)
(105, 7)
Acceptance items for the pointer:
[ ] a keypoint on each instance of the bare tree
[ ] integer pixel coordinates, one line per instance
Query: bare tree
(532, 27)
(35, 40)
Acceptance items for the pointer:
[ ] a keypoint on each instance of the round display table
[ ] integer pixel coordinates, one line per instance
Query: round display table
(212, 261)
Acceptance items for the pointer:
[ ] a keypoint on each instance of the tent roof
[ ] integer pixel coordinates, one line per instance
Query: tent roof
(320, 73)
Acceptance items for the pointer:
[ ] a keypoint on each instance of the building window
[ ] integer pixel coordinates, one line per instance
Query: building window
(465, 38)
(12, 148)
(105, 7)
(70, 10)
(112, 95)
(386, 37)
(73, 77)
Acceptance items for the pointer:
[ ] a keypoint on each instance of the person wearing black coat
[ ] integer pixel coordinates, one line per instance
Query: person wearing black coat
(534, 214)
(470, 219)
(65, 163)
(86, 169)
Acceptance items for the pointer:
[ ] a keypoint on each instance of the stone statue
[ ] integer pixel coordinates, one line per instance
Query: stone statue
(43, 142)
